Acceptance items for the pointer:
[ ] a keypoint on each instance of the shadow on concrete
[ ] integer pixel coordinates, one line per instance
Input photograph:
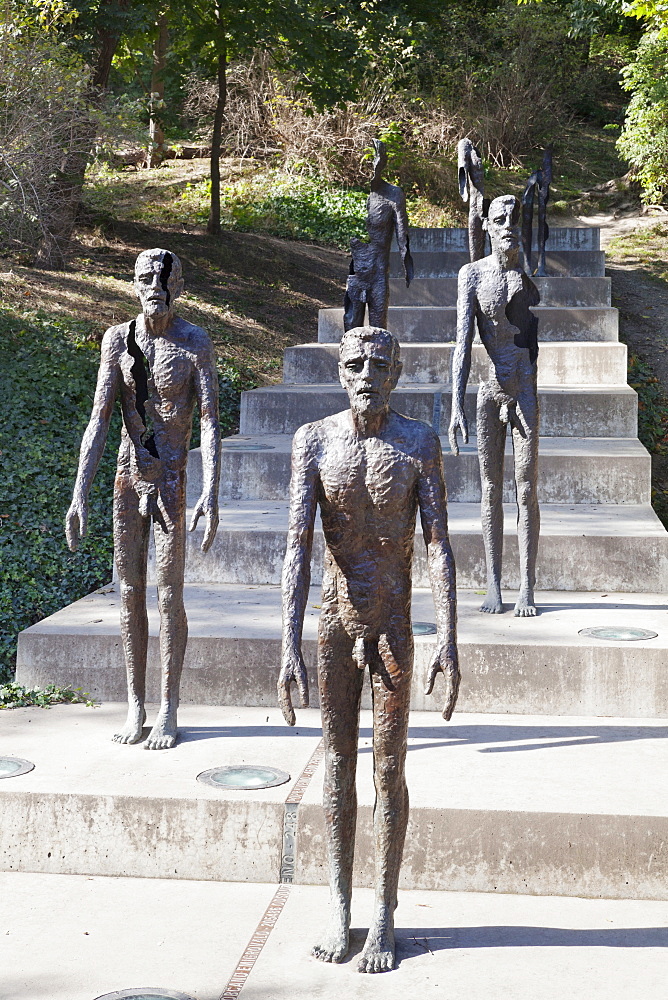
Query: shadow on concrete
(189, 734)
(418, 940)
(499, 736)
(541, 737)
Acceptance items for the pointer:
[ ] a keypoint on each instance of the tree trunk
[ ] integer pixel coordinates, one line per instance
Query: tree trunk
(68, 182)
(213, 225)
(156, 150)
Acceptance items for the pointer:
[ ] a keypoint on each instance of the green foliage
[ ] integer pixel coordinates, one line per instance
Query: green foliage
(297, 208)
(652, 406)
(644, 138)
(13, 695)
(47, 379)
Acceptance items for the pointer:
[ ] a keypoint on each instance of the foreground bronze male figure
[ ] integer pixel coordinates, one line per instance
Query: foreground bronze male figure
(369, 279)
(369, 469)
(497, 293)
(159, 365)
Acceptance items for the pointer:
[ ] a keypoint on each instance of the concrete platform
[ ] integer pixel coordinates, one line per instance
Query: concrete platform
(571, 470)
(437, 324)
(448, 944)
(559, 291)
(498, 803)
(526, 666)
(559, 363)
(446, 263)
(582, 547)
(566, 411)
(560, 238)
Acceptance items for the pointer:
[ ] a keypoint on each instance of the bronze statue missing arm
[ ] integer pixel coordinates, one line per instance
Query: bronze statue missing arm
(368, 283)
(472, 189)
(538, 184)
(369, 469)
(497, 294)
(160, 366)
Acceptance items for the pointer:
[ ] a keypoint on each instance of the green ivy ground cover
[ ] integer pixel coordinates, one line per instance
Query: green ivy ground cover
(47, 380)
(48, 370)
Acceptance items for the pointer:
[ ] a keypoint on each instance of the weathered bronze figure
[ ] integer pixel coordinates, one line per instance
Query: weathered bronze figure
(368, 282)
(472, 189)
(497, 292)
(538, 184)
(159, 365)
(369, 469)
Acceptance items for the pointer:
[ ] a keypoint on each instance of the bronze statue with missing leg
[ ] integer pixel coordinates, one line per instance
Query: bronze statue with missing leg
(368, 283)
(496, 293)
(160, 366)
(369, 469)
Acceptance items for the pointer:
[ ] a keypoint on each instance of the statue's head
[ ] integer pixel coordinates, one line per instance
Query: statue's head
(158, 281)
(502, 223)
(379, 159)
(369, 367)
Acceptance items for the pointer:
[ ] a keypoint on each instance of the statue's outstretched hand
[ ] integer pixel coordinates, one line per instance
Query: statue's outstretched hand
(458, 421)
(293, 670)
(76, 521)
(207, 508)
(446, 662)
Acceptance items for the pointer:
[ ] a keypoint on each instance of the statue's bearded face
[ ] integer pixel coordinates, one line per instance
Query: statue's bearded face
(502, 224)
(368, 374)
(157, 283)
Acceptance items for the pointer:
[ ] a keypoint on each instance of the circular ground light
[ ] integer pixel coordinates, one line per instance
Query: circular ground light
(11, 766)
(424, 628)
(243, 777)
(618, 632)
(145, 993)
(249, 447)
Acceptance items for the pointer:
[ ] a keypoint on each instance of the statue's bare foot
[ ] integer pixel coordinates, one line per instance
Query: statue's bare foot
(163, 734)
(334, 943)
(378, 954)
(132, 730)
(525, 607)
(492, 605)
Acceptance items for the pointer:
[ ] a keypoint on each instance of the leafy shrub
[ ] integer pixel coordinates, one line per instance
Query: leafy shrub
(644, 138)
(298, 208)
(14, 695)
(652, 406)
(47, 379)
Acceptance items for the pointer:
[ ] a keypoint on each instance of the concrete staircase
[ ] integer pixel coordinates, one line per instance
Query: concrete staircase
(582, 810)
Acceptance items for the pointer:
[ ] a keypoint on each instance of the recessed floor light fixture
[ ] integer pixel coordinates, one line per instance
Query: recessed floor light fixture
(146, 993)
(10, 767)
(247, 447)
(424, 628)
(243, 777)
(623, 632)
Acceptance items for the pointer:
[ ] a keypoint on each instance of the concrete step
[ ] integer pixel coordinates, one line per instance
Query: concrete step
(537, 946)
(536, 805)
(560, 238)
(527, 666)
(582, 547)
(447, 263)
(559, 291)
(566, 411)
(559, 363)
(572, 470)
(436, 324)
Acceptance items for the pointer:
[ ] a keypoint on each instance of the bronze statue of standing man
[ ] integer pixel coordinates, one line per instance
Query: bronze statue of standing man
(369, 279)
(160, 366)
(496, 294)
(369, 469)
